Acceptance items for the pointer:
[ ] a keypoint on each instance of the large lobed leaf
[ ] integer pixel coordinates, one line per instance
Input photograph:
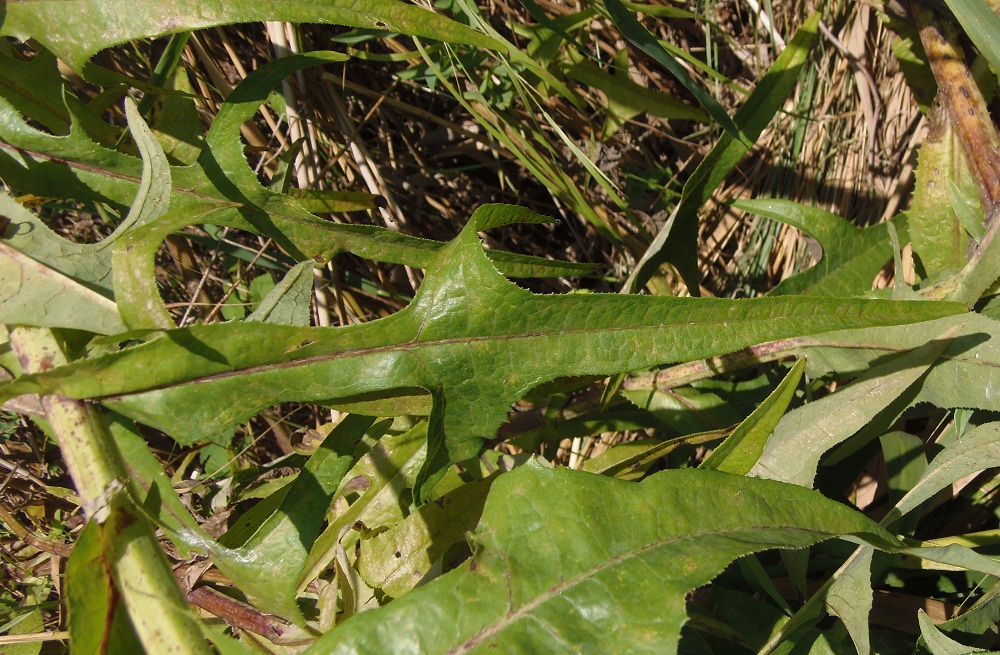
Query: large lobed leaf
(471, 339)
(852, 256)
(220, 183)
(61, 27)
(566, 561)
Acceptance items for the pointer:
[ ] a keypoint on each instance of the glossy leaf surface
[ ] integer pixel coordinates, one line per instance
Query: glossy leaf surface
(471, 339)
(608, 563)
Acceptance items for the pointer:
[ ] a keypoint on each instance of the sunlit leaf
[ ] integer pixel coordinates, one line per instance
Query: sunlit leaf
(852, 256)
(470, 339)
(677, 242)
(57, 24)
(741, 449)
(805, 434)
(569, 561)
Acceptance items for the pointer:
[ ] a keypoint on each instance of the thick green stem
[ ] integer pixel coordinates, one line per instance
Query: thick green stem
(139, 567)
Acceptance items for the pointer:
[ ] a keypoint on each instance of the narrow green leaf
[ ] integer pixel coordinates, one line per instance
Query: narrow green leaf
(981, 24)
(629, 98)
(848, 592)
(977, 450)
(852, 256)
(156, 494)
(678, 243)
(964, 207)
(29, 623)
(937, 642)
(55, 23)
(472, 339)
(805, 434)
(629, 461)
(633, 30)
(741, 450)
(177, 124)
(637, 550)
(153, 195)
(684, 411)
(165, 69)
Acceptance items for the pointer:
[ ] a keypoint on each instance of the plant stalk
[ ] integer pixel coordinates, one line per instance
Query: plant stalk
(138, 566)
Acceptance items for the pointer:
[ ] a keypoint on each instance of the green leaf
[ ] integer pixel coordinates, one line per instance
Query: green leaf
(633, 30)
(31, 293)
(471, 339)
(267, 566)
(628, 98)
(981, 24)
(176, 122)
(677, 241)
(397, 560)
(324, 201)
(98, 623)
(805, 434)
(387, 471)
(636, 550)
(30, 623)
(979, 620)
(967, 374)
(937, 642)
(850, 596)
(56, 24)
(37, 295)
(35, 89)
(155, 491)
(29, 235)
(905, 465)
(852, 256)
(222, 182)
(741, 450)
(976, 450)
(153, 195)
(290, 301)
(938, 238)
(630, 461)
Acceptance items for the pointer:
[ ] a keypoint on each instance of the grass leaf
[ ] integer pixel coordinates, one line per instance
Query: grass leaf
(981, 24)
(633, 30)
(752, 117)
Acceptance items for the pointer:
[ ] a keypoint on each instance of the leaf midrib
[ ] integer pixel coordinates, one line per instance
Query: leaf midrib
(514, 615)
(415, 345)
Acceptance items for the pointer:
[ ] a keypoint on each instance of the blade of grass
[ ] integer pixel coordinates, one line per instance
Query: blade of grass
(640, 37)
